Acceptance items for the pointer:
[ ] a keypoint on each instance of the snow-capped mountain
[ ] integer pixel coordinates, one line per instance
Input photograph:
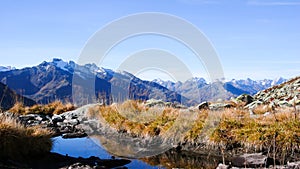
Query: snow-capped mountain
(199, 90)
(8, 68)
(54, 80)
(253, 86)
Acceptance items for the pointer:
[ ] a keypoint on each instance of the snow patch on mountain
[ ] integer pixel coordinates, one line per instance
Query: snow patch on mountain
(5, 69)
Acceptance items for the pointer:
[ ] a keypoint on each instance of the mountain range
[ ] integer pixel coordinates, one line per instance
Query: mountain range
(51, 81)
(199, 90)
(8, 98)
(68, 81)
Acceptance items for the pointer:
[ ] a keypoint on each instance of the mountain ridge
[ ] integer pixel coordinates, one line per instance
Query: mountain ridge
(53, 80)
(8, 98)
(50, 81)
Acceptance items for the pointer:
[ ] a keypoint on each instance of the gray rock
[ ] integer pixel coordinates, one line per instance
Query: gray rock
(283, 103)
(254, 104)
(293, 165)
(219, 106)
(57, 118)
(203, 105)
(222, 166)
(252, 160)
(154, 102)
(245, 98)
(86, 128)
(74, 135)
(72, 122)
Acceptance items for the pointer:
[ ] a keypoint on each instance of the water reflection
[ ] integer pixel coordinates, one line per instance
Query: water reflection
(174, 159)
(86, 147)
(171, 158)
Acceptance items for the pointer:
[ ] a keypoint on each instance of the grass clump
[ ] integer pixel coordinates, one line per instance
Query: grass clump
(135, 118)
(227, 129)
(56, 107)
(279, 137)
(18, 142)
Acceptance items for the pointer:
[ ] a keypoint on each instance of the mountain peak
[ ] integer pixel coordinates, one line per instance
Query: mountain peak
(7, 68)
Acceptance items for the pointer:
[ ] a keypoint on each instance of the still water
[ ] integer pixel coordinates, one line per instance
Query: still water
(86, 147)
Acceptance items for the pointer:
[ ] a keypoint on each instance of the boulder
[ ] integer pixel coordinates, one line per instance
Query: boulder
(72, 122)
(220, 106)
(57, 118)
(203, 106)
(74, 135)
(154, 102)
(245, 98)
(252, 160)
(293, 165)
(222, 166)
(254, 104)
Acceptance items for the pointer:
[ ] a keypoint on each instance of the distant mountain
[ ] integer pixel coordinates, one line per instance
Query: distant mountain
(8, 68)
(199, 90)
(8, 98)
(51, 81)
(253, 86)
(54, 80)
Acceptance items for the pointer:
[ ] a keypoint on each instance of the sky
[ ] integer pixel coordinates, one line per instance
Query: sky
(255, 39)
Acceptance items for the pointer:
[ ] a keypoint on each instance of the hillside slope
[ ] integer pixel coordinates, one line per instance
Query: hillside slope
(8, 98)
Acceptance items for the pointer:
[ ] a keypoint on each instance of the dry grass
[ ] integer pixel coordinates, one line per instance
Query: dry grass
(261, 109)
(135, 118)
(56, 107)
(280, 137)
(230, 128)
(18, 142)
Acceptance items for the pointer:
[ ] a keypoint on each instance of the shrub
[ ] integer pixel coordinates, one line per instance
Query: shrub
(18, 142)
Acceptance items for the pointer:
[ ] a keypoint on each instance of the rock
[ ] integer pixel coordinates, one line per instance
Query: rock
(254, 104)
(177, 106)
(154, 102)
(252, 160)
(293, 165)
(203, 106)
(74, 135)
(83, 127)
(57, 118)
(79, 166)
(283, 103)
(245, 98)
(66, 129)
(72, 122)
(223, 166)
(25, 118)
(220, 106)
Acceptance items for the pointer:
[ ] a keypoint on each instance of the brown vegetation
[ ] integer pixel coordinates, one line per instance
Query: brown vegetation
(230, 128)
(56, 107)
(18, 142)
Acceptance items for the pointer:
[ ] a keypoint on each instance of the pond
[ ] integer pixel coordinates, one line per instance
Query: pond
(89, 146)
(86, 147)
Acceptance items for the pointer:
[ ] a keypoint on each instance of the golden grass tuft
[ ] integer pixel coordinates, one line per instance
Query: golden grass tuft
(56, 107)
(18, 142)
(232, 128)
(261, 133)
(135, 118)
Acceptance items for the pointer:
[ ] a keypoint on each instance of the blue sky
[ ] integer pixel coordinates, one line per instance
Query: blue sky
(256, 39)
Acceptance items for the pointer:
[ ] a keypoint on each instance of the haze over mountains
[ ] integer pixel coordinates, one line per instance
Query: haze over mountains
(53, 80)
